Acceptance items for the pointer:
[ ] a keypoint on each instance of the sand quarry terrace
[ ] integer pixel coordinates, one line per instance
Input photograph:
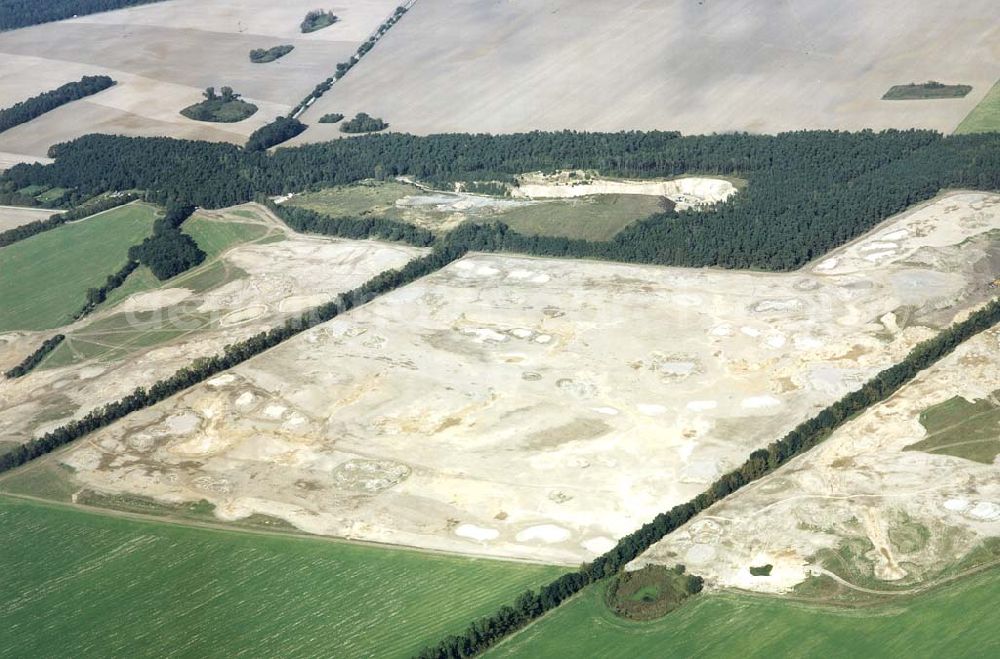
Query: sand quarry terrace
(541, 408)
(163, 56)
(685, 192)
(696, 67)
(914, 515)
(250, 288)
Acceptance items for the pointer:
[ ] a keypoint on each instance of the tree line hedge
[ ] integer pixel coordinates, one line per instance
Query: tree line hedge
(307, 221)
(486, 632)
(58, 219)
(35, 358)
(36, 106)
(344, 67)
(807, 191)
(97, 295)
(234, 354)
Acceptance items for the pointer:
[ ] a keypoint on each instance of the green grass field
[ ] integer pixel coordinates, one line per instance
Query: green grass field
(597, 217)
(117, 336)
(46, 277)
(216, 236)
(376, 198)
(86, 585)
(985, 117)
(958, 620)
(963, 429)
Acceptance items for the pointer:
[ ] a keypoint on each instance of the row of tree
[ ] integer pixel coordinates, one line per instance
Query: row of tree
(22, 13)
(35, 358)
(58, 219)
(344, 67)
(307, 221)
(36, 106)
(806, 192)
(486, 632)
(234, 354)
(96, 296)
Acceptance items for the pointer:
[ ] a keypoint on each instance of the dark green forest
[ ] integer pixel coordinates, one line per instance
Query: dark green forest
(22, 13)
(807, 191)
(168, 252)
(36, 106)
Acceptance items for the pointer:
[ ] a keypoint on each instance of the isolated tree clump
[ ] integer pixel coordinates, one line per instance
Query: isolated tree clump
(265, 55)
(317, 19)
(225, 107)
(276, 132)
(363, 123)
(331, 118)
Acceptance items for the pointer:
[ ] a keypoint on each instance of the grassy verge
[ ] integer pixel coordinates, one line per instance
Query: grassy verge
(89, 585)
(985, 117)
(955, 620)
(962, 429)
(46, 277)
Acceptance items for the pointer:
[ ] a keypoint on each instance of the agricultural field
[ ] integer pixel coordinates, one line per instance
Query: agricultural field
(46, 277)
(15, 216)
(696, 67)
(603, 393)
(83, 584)
(586, 206)
(163, 56)
(985, 117)
(904, 495)
(958, 620)
(257, 273)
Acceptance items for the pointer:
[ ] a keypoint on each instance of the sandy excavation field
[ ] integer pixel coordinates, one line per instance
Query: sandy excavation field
(540, 408)
(697, 67)
(250, 288)
(163, 56)
(686, 192)
(901, 518)
(547, 204)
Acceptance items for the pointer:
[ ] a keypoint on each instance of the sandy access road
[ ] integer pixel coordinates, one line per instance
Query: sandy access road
(697, 67)
(163, 56)
(541, 408)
